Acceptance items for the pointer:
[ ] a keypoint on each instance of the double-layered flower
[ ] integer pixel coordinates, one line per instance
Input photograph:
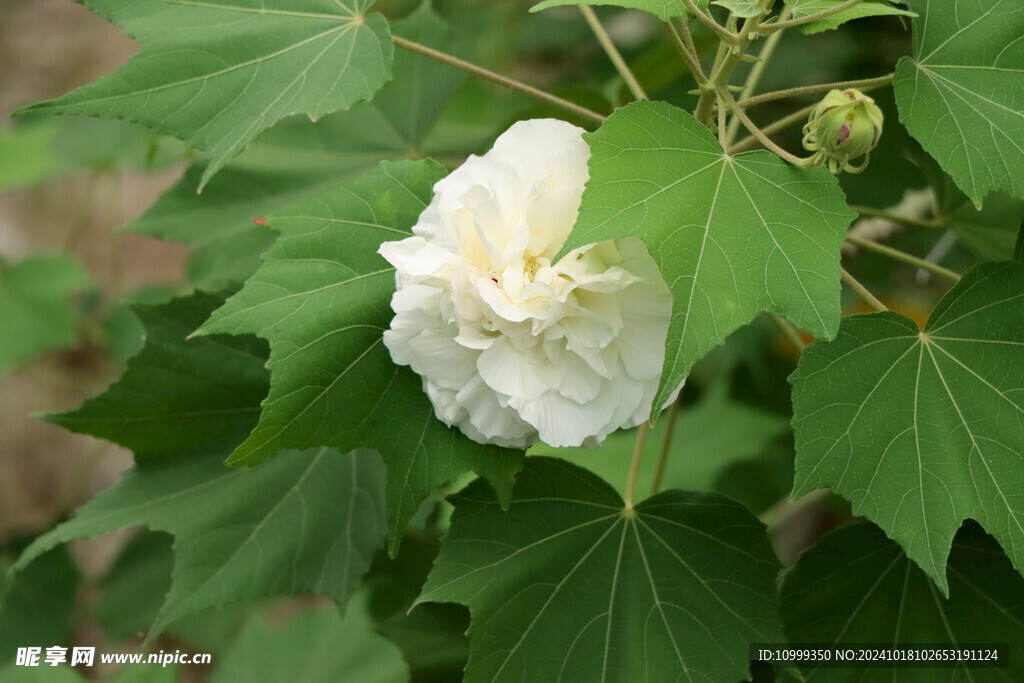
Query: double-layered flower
(512, 345)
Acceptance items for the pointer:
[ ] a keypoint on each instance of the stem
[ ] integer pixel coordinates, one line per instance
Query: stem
(809, 19)
(666, 446)
(709, 21)
(790, 332)
(863, 292)
(903, 256)
(861, 84)
(722, 133)
(764, 140)
(725, 63)
(612, 52)
(634, 467)
(498, 78)
(932, 223)
(755, 76)
(751, 141)
(687, 50)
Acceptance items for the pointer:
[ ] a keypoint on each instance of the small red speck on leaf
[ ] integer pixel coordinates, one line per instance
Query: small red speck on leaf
(262, 220)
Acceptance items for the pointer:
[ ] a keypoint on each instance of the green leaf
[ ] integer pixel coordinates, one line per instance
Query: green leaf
(992, 232)
(961, 93)
(298, 159)
(857, 586)
(921, 430)
(217, 73)
(306, 521)
(134, 587)
(179, 395)
(805, 8)
(38, 609)
(316, 645)
(708, 437)
(1018, 249)
(37, 307)
(741, 8)
(663, 9)
(322, 299)
(733, 236)
(569, 580)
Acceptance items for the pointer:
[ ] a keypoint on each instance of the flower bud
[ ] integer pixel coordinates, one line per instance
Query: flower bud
(845, 126)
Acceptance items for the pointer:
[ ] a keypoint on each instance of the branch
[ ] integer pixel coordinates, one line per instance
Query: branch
(687, 51)
(666, 445)
(933, 223)
(903, 256)
(754, 77)
(762, 138)
(861, 84)
(870, 298)
(612, 52)
(766, 29)
(634, 467)
(709, 21)
(750, 141)
(790, 333)
(498, 78)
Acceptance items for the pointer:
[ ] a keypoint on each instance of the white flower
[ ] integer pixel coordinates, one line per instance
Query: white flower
(513, 348)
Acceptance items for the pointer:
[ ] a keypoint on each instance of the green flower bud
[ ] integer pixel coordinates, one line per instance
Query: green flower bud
(845, 126)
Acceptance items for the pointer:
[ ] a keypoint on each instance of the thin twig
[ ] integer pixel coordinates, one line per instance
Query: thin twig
(931, 223)
(634, 467)
(765, 29)
(612, 52)
(666, 446)
(752, 127)
(790, 332)
(755, 76)
(722, 134)
(687, 51)
(751, 140)
(903, 256)
(709, 21)
(870, 298)
(498, 78)
(861, 84)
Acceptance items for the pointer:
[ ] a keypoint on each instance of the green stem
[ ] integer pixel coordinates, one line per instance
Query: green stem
(634, 467)
(666, 446)
(726, 60)
(725, 34)
(870, 298)
(903, 256)
(757, 132)
(861, 84)
(932, 223)
(505, 81)
(687, 50)
(790, 333)
(766, 29)
(613, 53)
(754, 77)
(751, 140)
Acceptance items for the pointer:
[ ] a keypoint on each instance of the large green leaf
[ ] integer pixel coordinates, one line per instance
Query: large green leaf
(663, 9)
(179, 395)
(217, 73)
(962, 93)
(569, 583)
(856, 586)
(298, 159)
(733, 236)
(869, 8)
(37, 307)
(322, 299)
(315, 646)
(307, 521)
(921, 430)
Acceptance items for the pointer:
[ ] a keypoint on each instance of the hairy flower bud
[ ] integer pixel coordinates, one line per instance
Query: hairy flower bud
(513, 346)
(845, 126)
